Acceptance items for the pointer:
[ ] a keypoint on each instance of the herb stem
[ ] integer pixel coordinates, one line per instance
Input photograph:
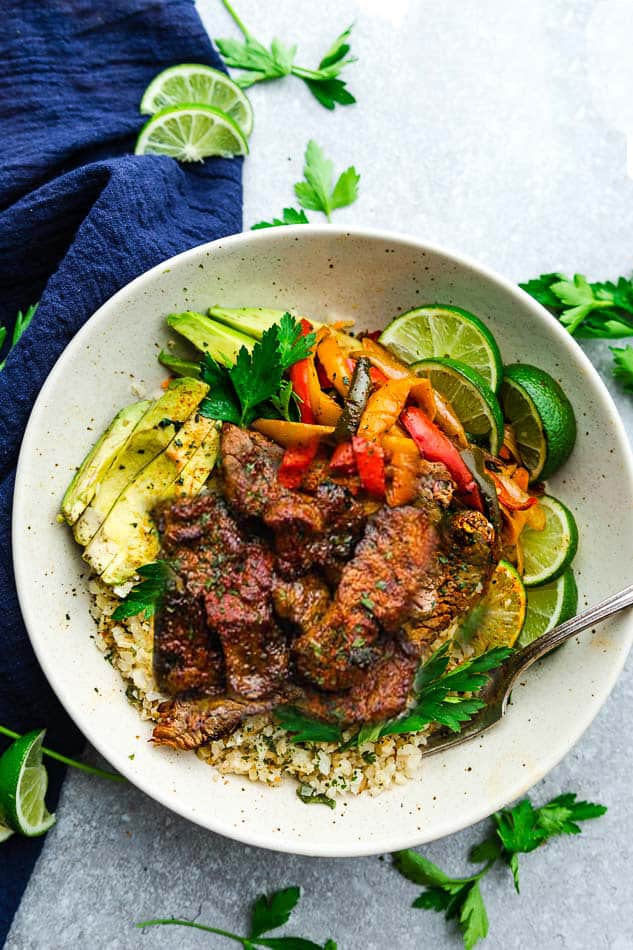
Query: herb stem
(191, 923)
(303, 73)
(90, 769)
(240, 24)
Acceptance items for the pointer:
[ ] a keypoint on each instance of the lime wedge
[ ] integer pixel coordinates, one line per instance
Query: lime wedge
(541, 416)
(438, 330)
(5, 831)
(191, 133)
(549, 605)
(548, 553)
(497, 620)
(192, 82)
(23, 784)
(470, 396)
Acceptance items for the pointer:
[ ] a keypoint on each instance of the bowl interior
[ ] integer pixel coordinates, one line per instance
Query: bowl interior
(329, 274)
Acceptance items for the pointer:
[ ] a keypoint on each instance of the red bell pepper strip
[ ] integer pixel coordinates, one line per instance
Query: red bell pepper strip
(300, 378)
(295, 463)
(436, 447)
(343, 461)
(324, 380)
(370, 461)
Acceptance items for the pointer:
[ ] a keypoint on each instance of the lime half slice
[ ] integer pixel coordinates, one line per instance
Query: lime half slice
(438, 330)
(549, 605)
(548, 553)
(23, 784)
(542, 417)
(191, 133)
(497, 620)
(470, 396)
(202, 85)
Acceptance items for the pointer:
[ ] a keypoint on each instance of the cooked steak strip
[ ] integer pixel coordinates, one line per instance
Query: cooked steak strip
(189, 723)
(301, 602)
(394, 571)
(187, 656)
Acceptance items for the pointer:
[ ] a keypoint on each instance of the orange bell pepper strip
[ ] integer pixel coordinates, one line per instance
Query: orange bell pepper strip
(324, 409)
(370, 461)
(290, 434)
(437, 447)
(334, 362)
(382, 359)
(510, 492)
(402, 470)
(295, 463)
(385, 405)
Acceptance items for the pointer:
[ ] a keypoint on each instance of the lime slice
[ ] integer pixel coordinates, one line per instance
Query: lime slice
(191, 133)
(549, 605)
(548, 553)
(23, 784)
(192, 82)
(541, 416)
(497, 619)
(474, 402)
(5, 831)
(438, 330)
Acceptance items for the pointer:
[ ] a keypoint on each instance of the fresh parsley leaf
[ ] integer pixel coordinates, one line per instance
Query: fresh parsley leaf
(256, 376)
(418, 869)
(221, 402)
(286, 402)
(518, 828)
(623, 365)
(316, 192)
(289, 943)
(22, 322)
(262, 64)
(289, 216)
(146, 597)
(309, 796)
(304, 728)
(254, 385)
(433, 898)
(273, 910)
(473, 919)
(590, 310)
(293, 344)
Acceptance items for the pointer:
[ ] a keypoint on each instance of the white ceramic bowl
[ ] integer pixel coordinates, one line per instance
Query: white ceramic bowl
(370, 276)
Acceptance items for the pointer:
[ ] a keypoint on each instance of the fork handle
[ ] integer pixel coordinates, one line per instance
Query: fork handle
(564, 631)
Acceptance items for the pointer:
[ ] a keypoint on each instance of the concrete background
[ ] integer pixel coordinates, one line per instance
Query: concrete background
(486, 126)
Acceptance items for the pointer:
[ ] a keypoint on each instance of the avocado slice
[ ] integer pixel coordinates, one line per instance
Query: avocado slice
(252, 320)
(179, 366)
(81, 490)
(152, 434)
(128, 537)
(222, 343)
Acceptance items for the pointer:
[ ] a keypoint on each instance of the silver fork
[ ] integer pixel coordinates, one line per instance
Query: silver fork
(497, 691)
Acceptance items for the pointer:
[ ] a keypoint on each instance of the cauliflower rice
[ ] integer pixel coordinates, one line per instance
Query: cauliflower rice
(259, 749)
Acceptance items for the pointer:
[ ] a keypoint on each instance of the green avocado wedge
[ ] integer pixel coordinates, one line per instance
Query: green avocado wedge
(151, 436)
(220, 342)
(128, 538)
(90, 473)
(254, 321)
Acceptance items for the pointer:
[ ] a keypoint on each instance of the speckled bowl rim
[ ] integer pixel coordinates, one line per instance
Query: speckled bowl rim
(393, 840)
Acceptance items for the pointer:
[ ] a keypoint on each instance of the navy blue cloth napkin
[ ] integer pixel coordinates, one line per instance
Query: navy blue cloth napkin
(80, 216)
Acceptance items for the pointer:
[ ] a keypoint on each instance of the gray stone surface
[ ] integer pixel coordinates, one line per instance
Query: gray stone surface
(475, 128)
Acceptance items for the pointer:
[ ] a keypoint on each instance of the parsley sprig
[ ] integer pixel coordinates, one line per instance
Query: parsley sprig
(262, 64)
(437, 700)
(318, 191)
(268, 913)
(516, 831)
(254, 384)
(21, 324)
(600, 310)
(146, 597)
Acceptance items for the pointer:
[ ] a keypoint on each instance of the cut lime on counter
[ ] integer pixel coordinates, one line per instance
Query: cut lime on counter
(548, 553)
(470, 396)
(549, 605)
(441, 331)
(202, 85)
(23, 784)
(541, 416)
(498, 619)
(190, 133)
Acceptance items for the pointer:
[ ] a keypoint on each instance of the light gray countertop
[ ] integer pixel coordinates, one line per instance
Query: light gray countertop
(476, 127)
